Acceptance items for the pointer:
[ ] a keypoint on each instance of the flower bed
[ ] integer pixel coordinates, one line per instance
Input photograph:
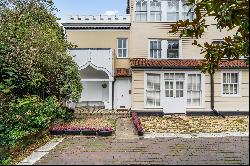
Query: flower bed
(105, 132)
(137, 122)
(95, 126)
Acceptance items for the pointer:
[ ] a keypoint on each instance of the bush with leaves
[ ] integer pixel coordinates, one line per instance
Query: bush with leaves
(28, 116)
(34, 52)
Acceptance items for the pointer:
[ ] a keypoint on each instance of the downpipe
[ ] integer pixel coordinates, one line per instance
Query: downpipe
(212, 97)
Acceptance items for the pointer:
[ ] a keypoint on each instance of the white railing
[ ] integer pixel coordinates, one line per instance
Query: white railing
(98, 19)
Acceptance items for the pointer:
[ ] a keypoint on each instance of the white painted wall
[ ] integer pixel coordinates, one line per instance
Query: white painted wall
(100, 59)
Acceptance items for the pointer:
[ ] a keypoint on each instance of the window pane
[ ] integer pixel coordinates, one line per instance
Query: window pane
(119, 43)
(167, 93)
(234, 78)
(224, 77)
(144, 6)
(173, 54)
(171, 93)
(138, 6)
(124, 43)
(143, 16)
(235, 89)
(119, 52)
(124, 52)
(225, 89)
(173, 16)
(181, 93)
(231, 89)
(177, 93)
(173, 6)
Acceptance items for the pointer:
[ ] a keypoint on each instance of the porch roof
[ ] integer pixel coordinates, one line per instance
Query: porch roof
(182, 63)
(122, 72)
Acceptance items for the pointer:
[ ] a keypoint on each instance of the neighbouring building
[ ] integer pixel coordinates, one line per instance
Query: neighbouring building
(133, 62)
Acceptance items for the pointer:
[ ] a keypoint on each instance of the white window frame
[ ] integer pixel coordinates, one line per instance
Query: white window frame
(142, 11)
(203, 91)
(155, 40)
(163, 12)
(145, 89)
(155, 12)
(162, 55)
(239, 83)
(117, 49)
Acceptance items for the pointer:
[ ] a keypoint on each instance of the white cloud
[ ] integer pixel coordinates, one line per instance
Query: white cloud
(110, 12)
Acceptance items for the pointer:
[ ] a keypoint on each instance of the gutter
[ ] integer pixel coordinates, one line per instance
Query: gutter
(212, 97)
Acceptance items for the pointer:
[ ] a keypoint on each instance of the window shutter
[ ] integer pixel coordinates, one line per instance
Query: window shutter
(164, 46)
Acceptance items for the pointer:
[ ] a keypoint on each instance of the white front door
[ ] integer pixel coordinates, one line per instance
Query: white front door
(175, 100)
(123, 93)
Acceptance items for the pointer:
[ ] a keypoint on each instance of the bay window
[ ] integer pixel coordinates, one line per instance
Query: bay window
(153, 90)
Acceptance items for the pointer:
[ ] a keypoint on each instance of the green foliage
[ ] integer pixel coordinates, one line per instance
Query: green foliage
(230, 15)
(28, 116)
(34, 52)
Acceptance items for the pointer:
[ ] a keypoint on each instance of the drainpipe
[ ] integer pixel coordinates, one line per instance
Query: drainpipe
(212, 96)
(113, 92)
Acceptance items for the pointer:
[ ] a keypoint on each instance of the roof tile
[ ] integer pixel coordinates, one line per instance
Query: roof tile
(182, 63)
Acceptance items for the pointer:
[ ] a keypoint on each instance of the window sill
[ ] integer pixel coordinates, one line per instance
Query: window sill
(236, 96)
(122, 57)
(153, 107)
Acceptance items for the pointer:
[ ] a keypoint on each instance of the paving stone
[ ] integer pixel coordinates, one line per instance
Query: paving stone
(160, 151)
(35, 156)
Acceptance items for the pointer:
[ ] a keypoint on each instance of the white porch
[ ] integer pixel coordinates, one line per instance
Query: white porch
(97, 76)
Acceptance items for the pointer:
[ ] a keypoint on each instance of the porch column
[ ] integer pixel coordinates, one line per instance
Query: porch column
(110, 95)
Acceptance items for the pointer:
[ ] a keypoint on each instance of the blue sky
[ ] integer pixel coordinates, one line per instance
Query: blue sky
(90, 7)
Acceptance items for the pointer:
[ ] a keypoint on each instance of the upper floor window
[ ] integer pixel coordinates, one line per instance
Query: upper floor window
(173, 49)
(159, 10)
(230, 83)
(155, 10)
(155, 49)
(164, 49)
(187, 11)
(141, 10)
(173, 10)
(122, 47)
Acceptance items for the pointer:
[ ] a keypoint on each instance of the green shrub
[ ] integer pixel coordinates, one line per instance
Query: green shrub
(29, 115)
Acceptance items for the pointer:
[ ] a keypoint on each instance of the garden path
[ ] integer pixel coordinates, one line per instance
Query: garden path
(125, 129)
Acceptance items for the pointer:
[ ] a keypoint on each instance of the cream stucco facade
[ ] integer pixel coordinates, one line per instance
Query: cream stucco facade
(148, 88)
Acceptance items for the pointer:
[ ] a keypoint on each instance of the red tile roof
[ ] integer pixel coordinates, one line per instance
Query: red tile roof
(122, 72)
(181, 63)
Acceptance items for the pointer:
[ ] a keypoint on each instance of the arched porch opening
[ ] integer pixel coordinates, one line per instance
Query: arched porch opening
(97, 87)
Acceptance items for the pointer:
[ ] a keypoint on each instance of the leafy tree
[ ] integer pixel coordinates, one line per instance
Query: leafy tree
(230, 15)
(34, 58)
